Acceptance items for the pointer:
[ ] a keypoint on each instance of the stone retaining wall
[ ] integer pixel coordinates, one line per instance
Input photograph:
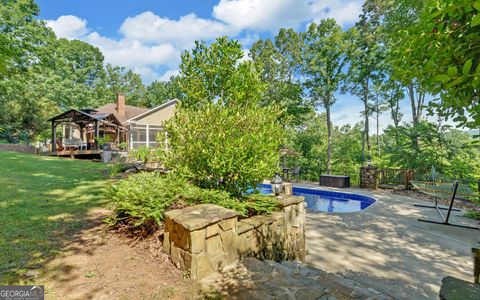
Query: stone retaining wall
(205, 238)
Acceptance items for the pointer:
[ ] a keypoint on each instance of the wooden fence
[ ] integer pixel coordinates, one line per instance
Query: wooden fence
(395, 177)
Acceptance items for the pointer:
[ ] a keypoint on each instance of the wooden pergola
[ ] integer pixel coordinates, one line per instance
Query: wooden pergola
(85, 119)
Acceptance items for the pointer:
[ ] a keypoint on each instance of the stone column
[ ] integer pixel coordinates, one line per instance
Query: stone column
(368, 177)
(287, 188)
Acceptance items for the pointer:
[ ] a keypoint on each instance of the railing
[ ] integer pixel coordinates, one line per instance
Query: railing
(395, 176)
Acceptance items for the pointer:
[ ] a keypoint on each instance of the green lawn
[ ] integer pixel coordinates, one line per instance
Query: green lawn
(44, 201)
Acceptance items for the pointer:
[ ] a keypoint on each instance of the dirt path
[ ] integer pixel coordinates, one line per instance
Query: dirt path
(106, 265)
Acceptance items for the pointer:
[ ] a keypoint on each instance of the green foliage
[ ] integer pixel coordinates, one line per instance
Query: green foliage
(119, 79)
(234, 150)
(325, 56)
(474, 214)
(280, 62)
(142, 153)
(159, 92)
(142, 199)
(437, 45)
(123, 146)
(216, 73)
(421, 146)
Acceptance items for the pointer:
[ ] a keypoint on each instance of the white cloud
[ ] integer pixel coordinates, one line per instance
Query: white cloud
(166, 76)
(271, 15)
(70, 27)
(132, 53)
(149, 27)
(343, 11)
(262, 15)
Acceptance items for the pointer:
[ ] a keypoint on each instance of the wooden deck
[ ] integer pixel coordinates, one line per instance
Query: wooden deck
(76, 153)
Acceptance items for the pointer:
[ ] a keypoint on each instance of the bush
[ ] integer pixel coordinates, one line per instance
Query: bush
(142, 199)
(224, 148)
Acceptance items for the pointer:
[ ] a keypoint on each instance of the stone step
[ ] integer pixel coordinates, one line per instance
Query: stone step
(255, 279)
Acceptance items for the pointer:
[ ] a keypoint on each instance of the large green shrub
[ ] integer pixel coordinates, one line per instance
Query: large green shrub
(142, 198)
(230, 148)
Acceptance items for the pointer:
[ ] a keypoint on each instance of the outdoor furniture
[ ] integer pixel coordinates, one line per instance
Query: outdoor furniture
(335, 181)
(449, 209)
(295, 173)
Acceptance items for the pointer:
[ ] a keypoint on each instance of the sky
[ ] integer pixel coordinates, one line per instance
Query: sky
(148, 36)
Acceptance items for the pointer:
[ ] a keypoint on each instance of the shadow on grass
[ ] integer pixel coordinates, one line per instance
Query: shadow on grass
(44, 203)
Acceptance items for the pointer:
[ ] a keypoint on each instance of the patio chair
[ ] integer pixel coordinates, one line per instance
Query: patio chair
(295, 173)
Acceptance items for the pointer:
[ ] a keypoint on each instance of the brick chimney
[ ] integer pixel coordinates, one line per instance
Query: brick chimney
(121, 104)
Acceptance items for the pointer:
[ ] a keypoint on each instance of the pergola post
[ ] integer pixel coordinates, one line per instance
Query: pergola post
(54, 137)
(97, 131)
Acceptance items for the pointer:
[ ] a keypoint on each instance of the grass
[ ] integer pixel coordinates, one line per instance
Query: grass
(44, 202)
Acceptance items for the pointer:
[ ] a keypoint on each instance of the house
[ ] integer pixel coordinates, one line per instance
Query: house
(145, 128)
(114, 124)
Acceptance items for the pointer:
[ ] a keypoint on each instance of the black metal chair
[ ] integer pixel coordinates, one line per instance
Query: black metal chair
(295, 173)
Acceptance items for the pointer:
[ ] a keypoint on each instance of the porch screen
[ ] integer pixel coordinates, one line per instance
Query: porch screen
(139, 136)
(145, 135)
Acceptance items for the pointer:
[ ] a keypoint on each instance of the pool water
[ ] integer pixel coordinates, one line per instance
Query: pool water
(328, 201)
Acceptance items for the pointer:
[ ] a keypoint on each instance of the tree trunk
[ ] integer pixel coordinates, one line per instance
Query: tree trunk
(378, 131)
(329, 138)
(367, 126)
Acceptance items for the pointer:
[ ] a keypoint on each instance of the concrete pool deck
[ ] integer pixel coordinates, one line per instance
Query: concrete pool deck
(386, 248)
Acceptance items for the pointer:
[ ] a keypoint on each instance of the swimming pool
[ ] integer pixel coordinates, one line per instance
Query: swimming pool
(328, 201)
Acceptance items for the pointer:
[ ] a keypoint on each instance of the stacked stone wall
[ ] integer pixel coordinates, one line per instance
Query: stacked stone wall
(205, 238)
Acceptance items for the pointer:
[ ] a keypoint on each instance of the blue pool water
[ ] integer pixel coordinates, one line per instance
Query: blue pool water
(328, 201)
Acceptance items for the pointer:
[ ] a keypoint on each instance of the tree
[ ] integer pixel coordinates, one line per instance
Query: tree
(159, 92)
(447, 36)
(280, 65)
(392, 92)
(393, 17)
(76, 74)
(325, 57)
(239, 144)
(366, 56)
(216, 73)
(119, 79)
(21, 35)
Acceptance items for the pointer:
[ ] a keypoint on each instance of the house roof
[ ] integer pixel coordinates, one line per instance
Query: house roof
(153, 110)
(130, 111)
(79, 116)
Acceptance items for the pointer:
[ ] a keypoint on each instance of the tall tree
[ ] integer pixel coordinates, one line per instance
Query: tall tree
(279, 62)
(391, 18)
(392, 92)
(325, 55)
(366, 57)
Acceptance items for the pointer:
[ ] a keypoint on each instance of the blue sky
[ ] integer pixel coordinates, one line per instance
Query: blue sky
(148, 36)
